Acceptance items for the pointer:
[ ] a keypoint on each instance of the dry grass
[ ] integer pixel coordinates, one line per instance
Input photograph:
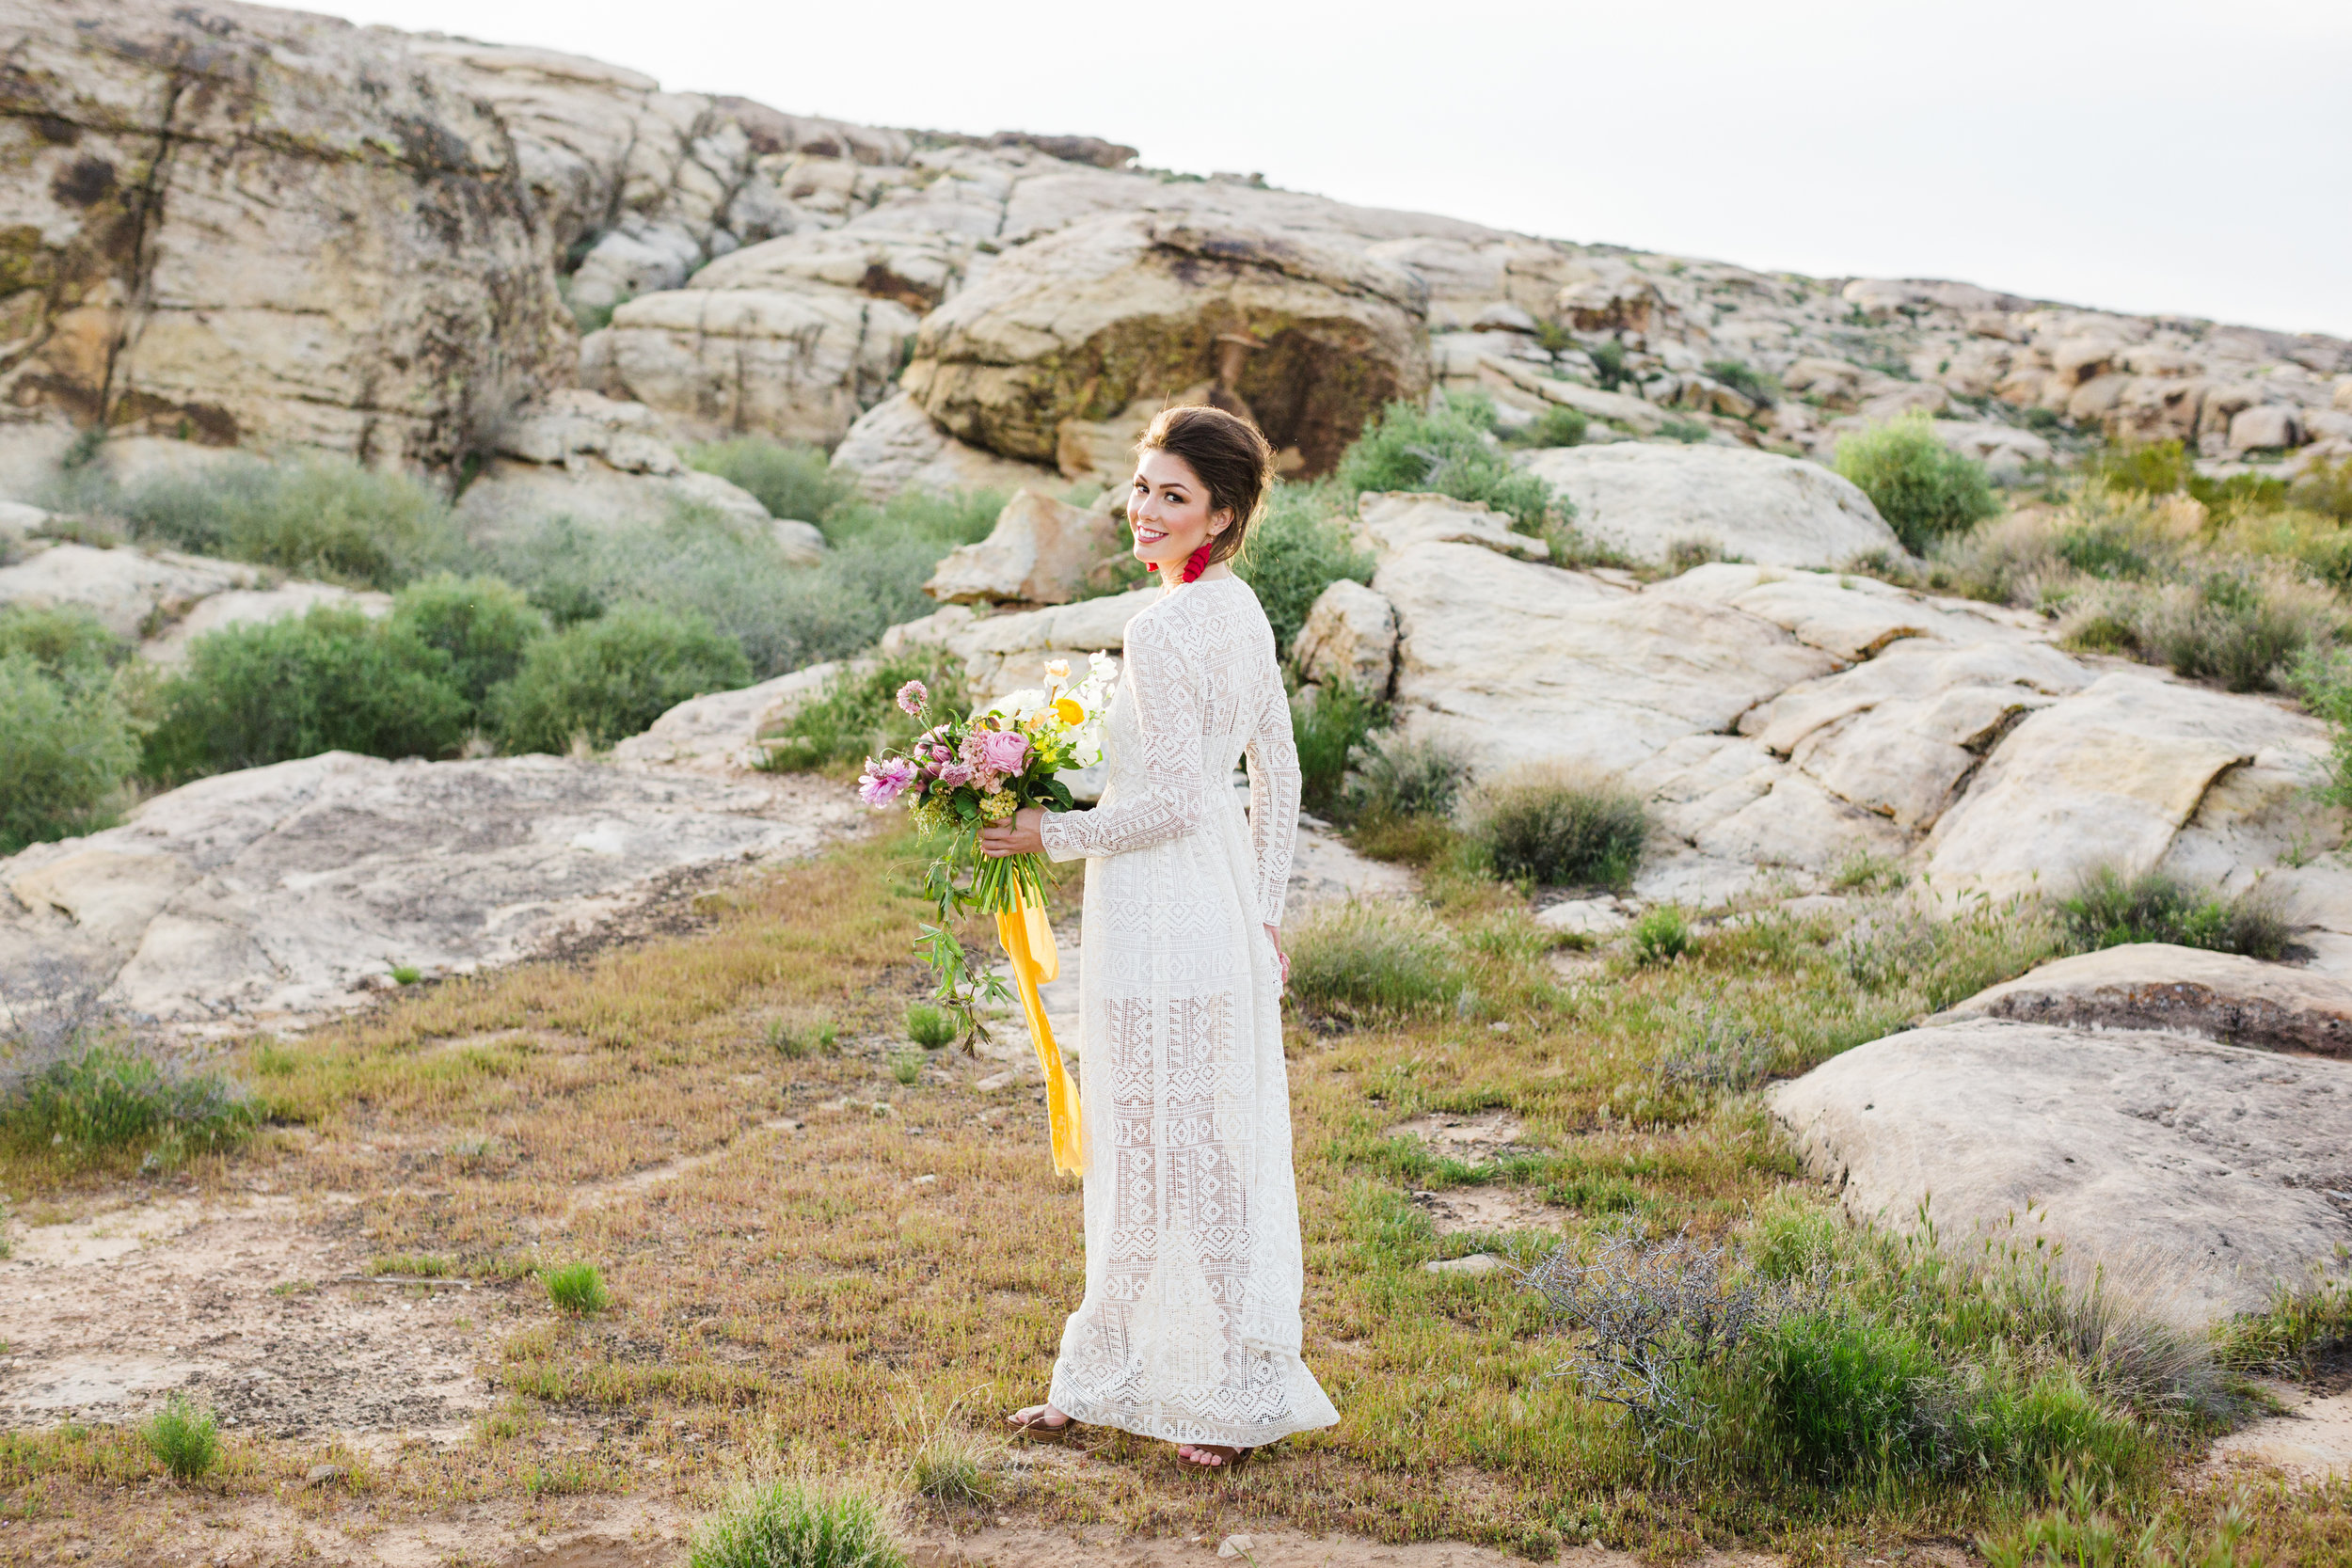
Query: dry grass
(802, 1251)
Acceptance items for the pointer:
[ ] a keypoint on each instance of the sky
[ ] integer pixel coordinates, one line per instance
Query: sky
(2150, 156)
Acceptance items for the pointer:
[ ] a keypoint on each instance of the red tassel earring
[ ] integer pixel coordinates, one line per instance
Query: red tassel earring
(1198, 564)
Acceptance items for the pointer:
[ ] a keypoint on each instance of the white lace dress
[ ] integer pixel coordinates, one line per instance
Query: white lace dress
(1190, 1327)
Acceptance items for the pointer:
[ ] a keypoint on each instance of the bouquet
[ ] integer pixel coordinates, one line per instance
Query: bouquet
(962, 774)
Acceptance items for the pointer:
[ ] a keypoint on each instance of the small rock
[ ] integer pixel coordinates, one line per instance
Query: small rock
(922, 1181)
(322, 1475)
(1235, 1545)
(1477, 1262)
(996, 1081)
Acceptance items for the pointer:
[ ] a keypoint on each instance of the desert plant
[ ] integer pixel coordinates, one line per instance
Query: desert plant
(2146, 468)
(1719, 1050)
(2324, 488)
(70, 646)
(1689, 432)
(1363, 961)
(929, 1027)
(790, 481)
(1844, 1394)
(608, 679)
(1863, 872)
(1923, 488)
(2240, 624)
(2108, 907)
(1661, 936)
(484, 624)
(1652, 1318)
(950, 1468)
(101, 1094)
(65, 750)
(318, 517)
(1299, 545)
(1746, 380)
(330, 680)
(814, 1037)
(1448, 447)
(184, 1438)
(576, 1288)
(1556, 427)
(792, 1523)
(1329, 727)
(906, 1067)
(856, 713)
(1400, 777)
(1560, 824)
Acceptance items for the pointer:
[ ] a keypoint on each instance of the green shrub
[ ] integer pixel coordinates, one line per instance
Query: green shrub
(1689, 432)
(1300, 544)
(185, 1439)
(1746, 380)
(818, 1036)
(1561, 826)
(790, 480)
(64, 753)
(1661, 936)
(1609, 367)
(318, 518)
(2153, 468)
(1923, 488)
(608, 678)
(929, 1027)
(484, 624)
(1328, 729)
(2325, 489)
(2108, 908)
(69, 644)
(107, 1096)
(1556, 427)
(856, 714)
(1401, 777)
(1373, 961)
(2242, 624)
(331, 680)
(1446, 448)
(790, 1524)
(2018, 1432)
(950, 1468)
(577, 1288)
(1844, 1394)
(906, 1067)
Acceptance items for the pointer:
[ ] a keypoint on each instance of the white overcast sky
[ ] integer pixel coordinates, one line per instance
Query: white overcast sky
(2151, 155)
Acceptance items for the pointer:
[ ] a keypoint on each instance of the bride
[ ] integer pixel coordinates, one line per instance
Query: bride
(1189, 1330)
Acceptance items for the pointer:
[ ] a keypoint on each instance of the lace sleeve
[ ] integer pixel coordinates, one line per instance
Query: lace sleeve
(1168, 701)
(1273, 801)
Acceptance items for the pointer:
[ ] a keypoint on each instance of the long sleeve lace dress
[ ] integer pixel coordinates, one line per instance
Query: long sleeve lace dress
(1189, 1330)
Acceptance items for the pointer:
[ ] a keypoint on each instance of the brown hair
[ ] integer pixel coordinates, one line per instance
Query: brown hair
(1230, 457)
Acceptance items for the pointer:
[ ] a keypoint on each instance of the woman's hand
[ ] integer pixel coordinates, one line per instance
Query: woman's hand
(1274, 934)
(1017, 837)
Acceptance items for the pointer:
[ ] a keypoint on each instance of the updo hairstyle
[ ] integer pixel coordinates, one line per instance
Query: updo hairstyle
(1230, 457)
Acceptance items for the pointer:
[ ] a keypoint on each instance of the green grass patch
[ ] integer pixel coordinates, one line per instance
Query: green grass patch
(2108, 908)
(1559, 826)
(576, 1288)
(185, 1439)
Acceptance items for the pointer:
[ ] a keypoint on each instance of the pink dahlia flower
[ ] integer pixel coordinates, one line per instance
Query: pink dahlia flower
(881, 781)
(912, 697)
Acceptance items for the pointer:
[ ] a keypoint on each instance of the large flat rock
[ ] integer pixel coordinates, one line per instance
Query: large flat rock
(278, 894)
(2155, 984)
(1645, 499)
(2220, 1169)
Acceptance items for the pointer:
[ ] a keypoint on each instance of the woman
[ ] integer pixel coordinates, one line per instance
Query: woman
(1190, 1327)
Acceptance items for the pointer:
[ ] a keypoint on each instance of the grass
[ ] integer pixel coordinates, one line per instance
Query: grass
(2108, 907)
(104, 1096)
(185, 1439)
(1561, 826)
(784, 1295)
(856, 714)
(1556, 427)
(929, 1027)
(791, 1524)
(1330, 728)
(1660, 935)
(577, 1288)
(1366, 961)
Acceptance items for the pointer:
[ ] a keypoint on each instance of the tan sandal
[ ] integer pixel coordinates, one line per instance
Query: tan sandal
(1039, 1430)
(1232, 1456)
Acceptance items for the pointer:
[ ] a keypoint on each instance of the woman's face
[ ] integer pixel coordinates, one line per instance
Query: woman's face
(1169, 511)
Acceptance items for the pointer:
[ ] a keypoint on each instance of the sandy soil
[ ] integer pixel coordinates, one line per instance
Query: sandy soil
(250, 1305)
(2311, 1441)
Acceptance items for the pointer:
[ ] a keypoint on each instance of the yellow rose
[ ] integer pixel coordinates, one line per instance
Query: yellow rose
(1070, 711)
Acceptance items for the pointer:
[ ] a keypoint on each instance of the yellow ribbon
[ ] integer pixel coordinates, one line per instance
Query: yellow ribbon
(1028, 939)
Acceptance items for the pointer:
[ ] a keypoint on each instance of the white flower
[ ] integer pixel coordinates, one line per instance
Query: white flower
(1057, 670)
(1018, 705)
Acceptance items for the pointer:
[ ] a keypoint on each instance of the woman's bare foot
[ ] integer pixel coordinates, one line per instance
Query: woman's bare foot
(1209, 1456)
(1039, 1420)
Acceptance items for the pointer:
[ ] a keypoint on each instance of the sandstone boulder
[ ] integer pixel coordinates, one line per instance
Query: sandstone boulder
(2153, 985)
(1390, 522)
(511, 498)
(2006, 451)
(1309, 336)
(2110, 776)
(894, 445)
(238, 607)
(1645, 499)
(796, 366)
(1039, 552)
(1509, 662)
(248, 225)
(2212, 1167)
(277, 893)
(132, 591)
(2266, 424)
(1349, 640)
(1006, 653)
(718, 734)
